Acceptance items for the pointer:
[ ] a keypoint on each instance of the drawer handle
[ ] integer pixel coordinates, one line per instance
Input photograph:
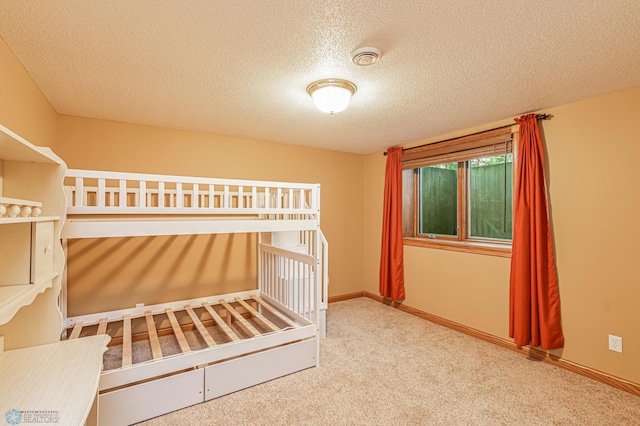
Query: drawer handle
(47, 248)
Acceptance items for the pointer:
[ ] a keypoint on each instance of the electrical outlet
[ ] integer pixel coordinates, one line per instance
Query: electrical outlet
(615, 343)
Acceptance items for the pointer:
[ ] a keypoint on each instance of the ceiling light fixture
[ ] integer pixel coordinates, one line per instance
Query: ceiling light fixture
(331, 95)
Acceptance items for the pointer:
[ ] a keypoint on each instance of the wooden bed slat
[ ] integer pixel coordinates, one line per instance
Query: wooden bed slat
(257, 315)
(153, 336)
(274, 311)
(203, 331)
(177, 331)
(76, 330)
(102, 326)
(126, 341)
(243, 322)
(220, 322)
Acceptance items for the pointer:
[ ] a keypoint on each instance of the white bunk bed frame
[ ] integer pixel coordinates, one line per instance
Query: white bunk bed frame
(291, 289)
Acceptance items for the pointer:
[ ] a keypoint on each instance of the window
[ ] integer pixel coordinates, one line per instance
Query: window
(438, 200)
(458, 193)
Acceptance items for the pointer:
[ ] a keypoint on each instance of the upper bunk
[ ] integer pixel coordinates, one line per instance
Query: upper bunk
(114, 204)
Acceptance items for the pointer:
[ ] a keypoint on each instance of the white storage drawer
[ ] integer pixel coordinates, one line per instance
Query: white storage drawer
(144, 401)
(241, 373)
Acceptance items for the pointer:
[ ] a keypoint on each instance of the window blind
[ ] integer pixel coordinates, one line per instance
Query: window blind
(491, 142)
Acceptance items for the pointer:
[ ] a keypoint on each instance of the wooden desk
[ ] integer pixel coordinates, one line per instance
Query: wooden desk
(56, 380)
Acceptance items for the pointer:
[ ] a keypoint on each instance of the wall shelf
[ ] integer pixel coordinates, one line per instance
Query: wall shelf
(15, 148)
(5, 200)
(14, 207)
(9, 220)
(13, 297)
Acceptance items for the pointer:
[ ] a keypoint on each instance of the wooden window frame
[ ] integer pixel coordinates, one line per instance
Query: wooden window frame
(462, 242)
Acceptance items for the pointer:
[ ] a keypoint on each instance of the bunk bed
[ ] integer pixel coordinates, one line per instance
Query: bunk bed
(199, 349)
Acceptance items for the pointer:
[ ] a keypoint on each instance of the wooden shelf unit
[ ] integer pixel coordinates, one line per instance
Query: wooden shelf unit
(32, 211)
(40, 376)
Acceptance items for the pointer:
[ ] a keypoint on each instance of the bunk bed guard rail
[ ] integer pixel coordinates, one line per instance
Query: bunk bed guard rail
(100, 192)
(289, 278)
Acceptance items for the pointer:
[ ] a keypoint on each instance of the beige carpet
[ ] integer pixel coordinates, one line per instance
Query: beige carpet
(381, 366)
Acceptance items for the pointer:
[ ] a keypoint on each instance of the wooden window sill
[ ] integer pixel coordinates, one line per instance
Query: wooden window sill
(500, 250)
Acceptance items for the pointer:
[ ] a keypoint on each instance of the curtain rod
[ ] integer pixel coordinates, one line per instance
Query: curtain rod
(538, 116)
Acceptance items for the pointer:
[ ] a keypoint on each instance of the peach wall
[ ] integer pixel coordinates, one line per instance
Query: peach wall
(23, 107)
(173, 268)
(593, 149)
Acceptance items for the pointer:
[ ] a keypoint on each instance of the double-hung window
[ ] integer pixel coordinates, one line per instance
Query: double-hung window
(457, 194)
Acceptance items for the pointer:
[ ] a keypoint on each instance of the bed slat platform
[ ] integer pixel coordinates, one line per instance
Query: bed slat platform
(256, 315)
(177, 331)
(241, 321)
(102, 326)
(248, 319)
(76, 330)
(153, 336)
(219, 321)
(201, 329)
(274, 312)
(126, 342)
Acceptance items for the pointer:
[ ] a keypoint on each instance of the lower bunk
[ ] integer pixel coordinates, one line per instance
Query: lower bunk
(165, 357)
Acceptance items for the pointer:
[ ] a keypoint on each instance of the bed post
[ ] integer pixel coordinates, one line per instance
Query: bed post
(317, 280)
(62, 297)
(259, 264)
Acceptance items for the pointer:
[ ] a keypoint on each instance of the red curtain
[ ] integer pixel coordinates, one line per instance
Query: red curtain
(391, 259)
(534, 307)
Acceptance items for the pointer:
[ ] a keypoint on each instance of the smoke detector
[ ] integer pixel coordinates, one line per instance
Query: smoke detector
(366, 56)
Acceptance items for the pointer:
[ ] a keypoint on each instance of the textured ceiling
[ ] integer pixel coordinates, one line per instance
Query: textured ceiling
(240, 67)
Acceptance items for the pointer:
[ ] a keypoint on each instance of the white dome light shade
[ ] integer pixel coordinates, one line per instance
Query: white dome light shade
(331, 95)
(331, 99)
